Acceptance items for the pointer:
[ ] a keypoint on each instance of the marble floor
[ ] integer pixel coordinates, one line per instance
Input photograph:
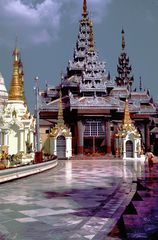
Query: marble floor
(144, 223)
(75, 200)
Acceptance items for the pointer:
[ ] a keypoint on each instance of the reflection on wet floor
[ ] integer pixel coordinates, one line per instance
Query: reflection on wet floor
(141, 222)
(78, 200)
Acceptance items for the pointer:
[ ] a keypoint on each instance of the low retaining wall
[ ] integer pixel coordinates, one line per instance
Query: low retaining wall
(19, 172)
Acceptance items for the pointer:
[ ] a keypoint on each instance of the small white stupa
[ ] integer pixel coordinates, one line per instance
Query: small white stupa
(16, 123)
(60, 138)
(128, 139)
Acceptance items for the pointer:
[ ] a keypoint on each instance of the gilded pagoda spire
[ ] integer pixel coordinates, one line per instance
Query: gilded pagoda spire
(85, 13)
(127, 125)
(60, 121)
(91, 38)
(15, 91)
(60, 126)
(127, 119)
(123, 40)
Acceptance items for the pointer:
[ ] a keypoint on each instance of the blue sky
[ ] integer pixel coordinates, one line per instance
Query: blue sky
(47, 32)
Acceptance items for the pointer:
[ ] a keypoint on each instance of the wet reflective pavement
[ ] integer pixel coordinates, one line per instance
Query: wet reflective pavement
(142, 221)
(75, 200)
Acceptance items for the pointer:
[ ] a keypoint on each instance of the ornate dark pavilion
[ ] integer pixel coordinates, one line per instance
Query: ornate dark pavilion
(93, 103)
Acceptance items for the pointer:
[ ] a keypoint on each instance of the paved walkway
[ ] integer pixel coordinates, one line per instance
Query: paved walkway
(76, 200)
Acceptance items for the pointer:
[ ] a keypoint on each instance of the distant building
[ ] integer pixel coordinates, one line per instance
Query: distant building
(93, 102)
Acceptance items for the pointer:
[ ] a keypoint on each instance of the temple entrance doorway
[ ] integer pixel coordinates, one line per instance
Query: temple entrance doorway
(94, 137)
(129, 149)
(94, 145)
(61, 146)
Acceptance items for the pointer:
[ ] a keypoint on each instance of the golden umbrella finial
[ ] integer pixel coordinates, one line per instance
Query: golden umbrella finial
(15, 91)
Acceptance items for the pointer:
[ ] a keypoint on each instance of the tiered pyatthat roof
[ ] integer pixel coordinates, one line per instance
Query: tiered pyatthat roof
(95, 77)
(85, 69)
(124, 77)
(76, 66)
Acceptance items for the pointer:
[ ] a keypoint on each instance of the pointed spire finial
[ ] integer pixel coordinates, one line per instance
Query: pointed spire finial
(123, 39)
(140, 83)
(16, 50)
(60, 121)
(127, 119)
(91, 38)
(85, 8)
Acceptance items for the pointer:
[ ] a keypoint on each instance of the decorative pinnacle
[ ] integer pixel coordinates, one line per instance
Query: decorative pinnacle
(84, 9)
(15, 91)
(140, 84)
(91, 38)
(60, 121)
(16, 50)
(127, 119)
(123, 40)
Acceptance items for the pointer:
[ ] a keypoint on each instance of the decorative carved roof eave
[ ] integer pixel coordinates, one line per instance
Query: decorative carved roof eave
(12, 122)
(85, 89)
(154, 130)
(154, 119)
(73, 107)
(124, 134)
(143, 116)
(132, 110)
(69, 84)
(54, 104)
(126, 130)
(96, 102)
(60, 130)
(52, 108)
